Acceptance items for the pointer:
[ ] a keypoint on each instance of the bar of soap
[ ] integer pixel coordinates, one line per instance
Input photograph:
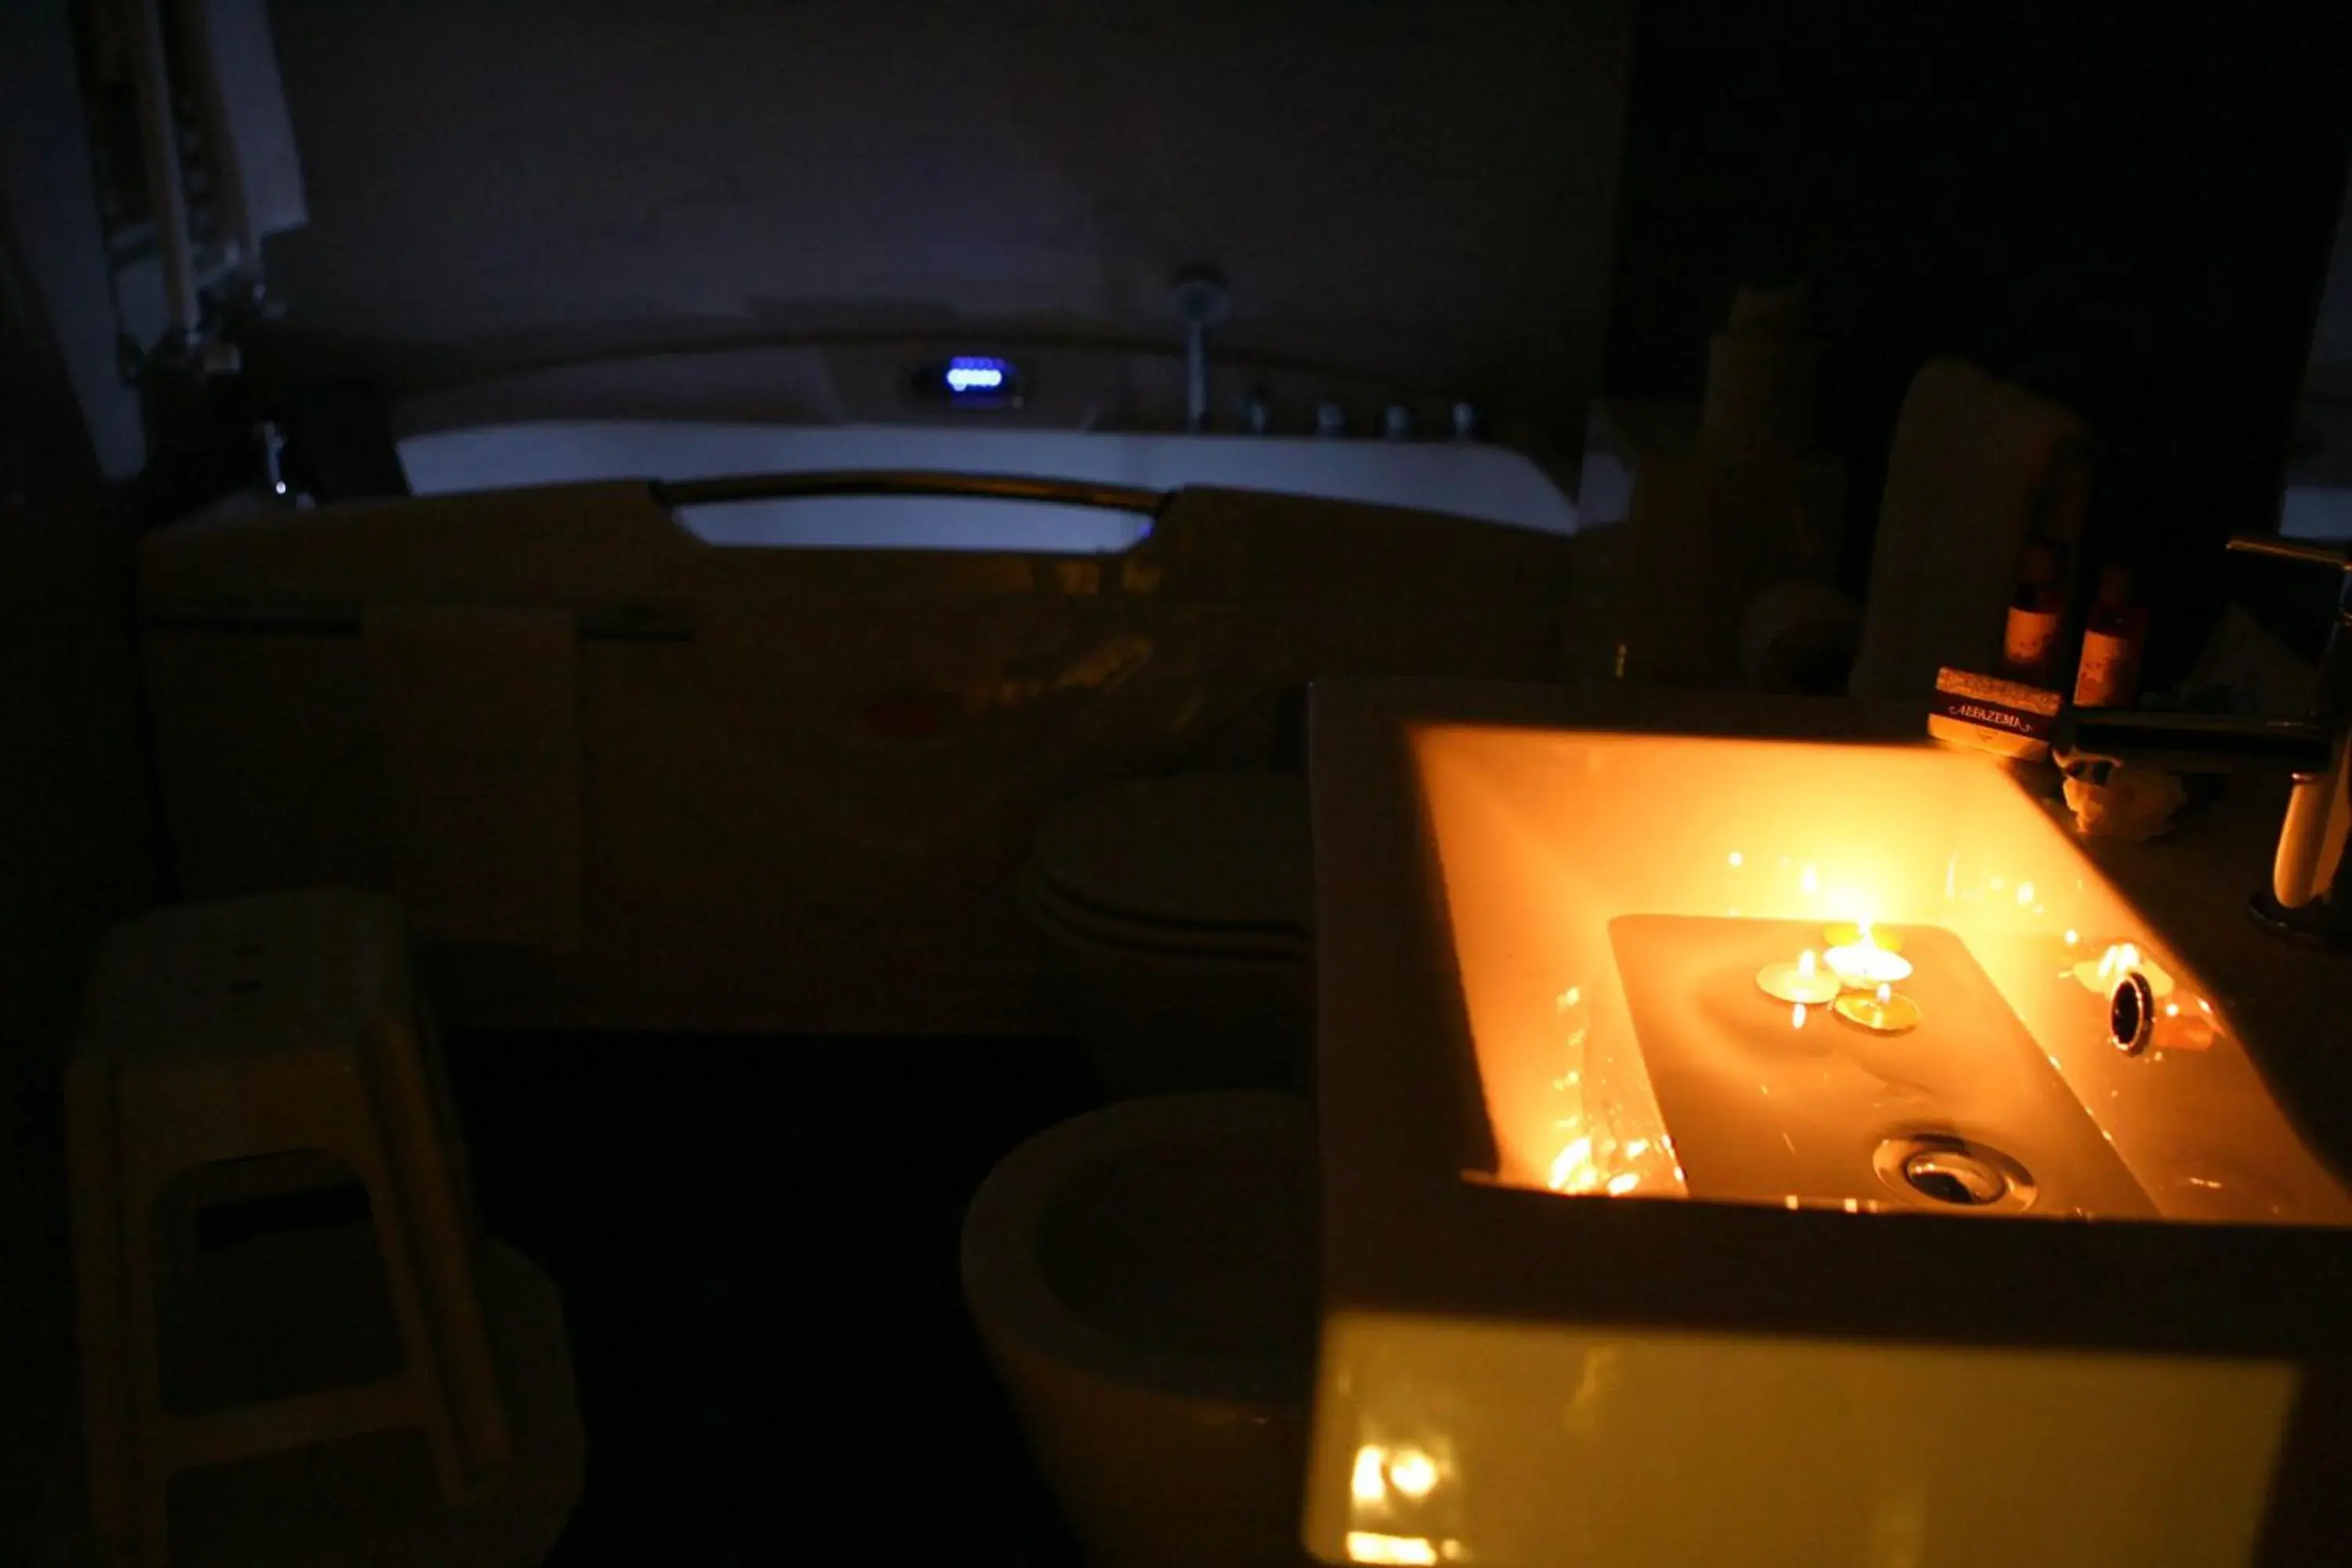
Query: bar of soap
(2007, 717)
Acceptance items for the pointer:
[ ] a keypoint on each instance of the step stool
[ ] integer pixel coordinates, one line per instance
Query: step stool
(253, 1049)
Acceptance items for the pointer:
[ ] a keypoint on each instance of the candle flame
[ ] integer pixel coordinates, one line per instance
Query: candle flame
(1863, 927)
(1796, 1016)
(1886, 993)
(1805, 964)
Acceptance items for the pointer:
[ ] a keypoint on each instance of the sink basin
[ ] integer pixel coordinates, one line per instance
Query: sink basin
(1612, 897)
(1628, 1262)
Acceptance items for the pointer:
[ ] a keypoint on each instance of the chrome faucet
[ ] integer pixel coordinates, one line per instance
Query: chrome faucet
(269, 442)
(1199, 295)
(2301, 902)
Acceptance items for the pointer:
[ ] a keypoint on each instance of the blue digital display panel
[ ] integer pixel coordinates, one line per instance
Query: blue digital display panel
(983, 381)
(966, 374)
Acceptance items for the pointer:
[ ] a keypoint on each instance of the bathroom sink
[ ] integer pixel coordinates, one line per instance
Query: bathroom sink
(1629, 1261)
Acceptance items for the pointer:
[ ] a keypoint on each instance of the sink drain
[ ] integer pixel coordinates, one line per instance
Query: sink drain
(1939, 1171)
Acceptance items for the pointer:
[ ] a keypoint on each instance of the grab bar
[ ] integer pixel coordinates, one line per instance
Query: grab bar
(649, 622)
(908, 482)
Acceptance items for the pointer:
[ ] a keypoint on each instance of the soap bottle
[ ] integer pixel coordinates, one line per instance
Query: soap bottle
(2108, 675)
(2029, 642)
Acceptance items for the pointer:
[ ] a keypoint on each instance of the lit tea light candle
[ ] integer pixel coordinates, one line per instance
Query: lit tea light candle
(2101, 973)
(1801, 981)
(1865, 961)
(1850, 934)
(1883, 1011)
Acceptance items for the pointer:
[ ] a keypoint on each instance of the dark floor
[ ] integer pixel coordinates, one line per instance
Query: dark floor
(756, 1242)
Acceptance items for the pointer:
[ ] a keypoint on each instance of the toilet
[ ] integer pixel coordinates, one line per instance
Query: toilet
(1143, 1277)
(1176, 917)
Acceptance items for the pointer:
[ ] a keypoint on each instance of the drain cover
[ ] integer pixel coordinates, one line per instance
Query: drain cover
(1943, 1171)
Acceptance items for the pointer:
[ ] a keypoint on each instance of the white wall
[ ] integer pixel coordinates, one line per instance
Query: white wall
(1417, 188)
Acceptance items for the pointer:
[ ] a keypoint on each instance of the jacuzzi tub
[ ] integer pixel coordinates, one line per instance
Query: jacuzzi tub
(684, 726)
(1487, 484)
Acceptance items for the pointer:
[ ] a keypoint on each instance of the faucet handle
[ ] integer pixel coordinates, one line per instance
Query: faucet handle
(2311, 554)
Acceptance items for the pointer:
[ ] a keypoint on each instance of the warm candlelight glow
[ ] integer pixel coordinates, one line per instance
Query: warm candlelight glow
(1573, 1170)
(1796, 1016)
(1801, 981)
(1864, 964)
(1883, 1010)
(2120, 959)
(1412, 1472)
(1372, 1546)
(1849, 933)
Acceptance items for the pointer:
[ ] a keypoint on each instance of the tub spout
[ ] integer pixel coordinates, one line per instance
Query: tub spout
(1200, 299)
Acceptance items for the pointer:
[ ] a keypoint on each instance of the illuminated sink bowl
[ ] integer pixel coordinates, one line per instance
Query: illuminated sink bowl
(1629, 1262)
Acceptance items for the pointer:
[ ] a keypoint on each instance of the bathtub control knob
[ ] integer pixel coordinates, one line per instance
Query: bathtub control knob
(1330, 417)
(1466, 420)
(1255, 415)
(1396, 422)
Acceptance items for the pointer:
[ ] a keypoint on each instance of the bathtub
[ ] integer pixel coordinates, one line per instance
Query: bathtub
(747, 727)
(1483, 483)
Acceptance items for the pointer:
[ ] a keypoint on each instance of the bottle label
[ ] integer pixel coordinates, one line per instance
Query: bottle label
(2104, 679)
(2029, 637)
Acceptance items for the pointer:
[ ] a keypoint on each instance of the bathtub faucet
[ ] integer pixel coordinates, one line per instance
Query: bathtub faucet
(1199, 296)
(2306, 901)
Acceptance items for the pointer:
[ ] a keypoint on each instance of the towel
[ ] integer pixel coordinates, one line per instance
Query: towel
(479, 714)
(1978, 467)
(230, 57)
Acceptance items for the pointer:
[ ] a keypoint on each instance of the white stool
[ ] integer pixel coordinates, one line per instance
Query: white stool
(264, 1045)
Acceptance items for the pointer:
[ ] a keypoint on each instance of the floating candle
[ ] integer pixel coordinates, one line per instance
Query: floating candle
(1848, 933)
(1883, 1011)
(1859, 965)
(1801, 981)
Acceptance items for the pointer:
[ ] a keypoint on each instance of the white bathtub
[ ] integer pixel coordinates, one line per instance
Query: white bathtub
(1488, 484)
(786, 785)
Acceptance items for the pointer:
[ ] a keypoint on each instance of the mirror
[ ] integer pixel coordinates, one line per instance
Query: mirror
(2317, 498)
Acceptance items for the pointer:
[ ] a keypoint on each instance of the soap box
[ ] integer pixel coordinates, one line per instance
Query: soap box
(2007, 717)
